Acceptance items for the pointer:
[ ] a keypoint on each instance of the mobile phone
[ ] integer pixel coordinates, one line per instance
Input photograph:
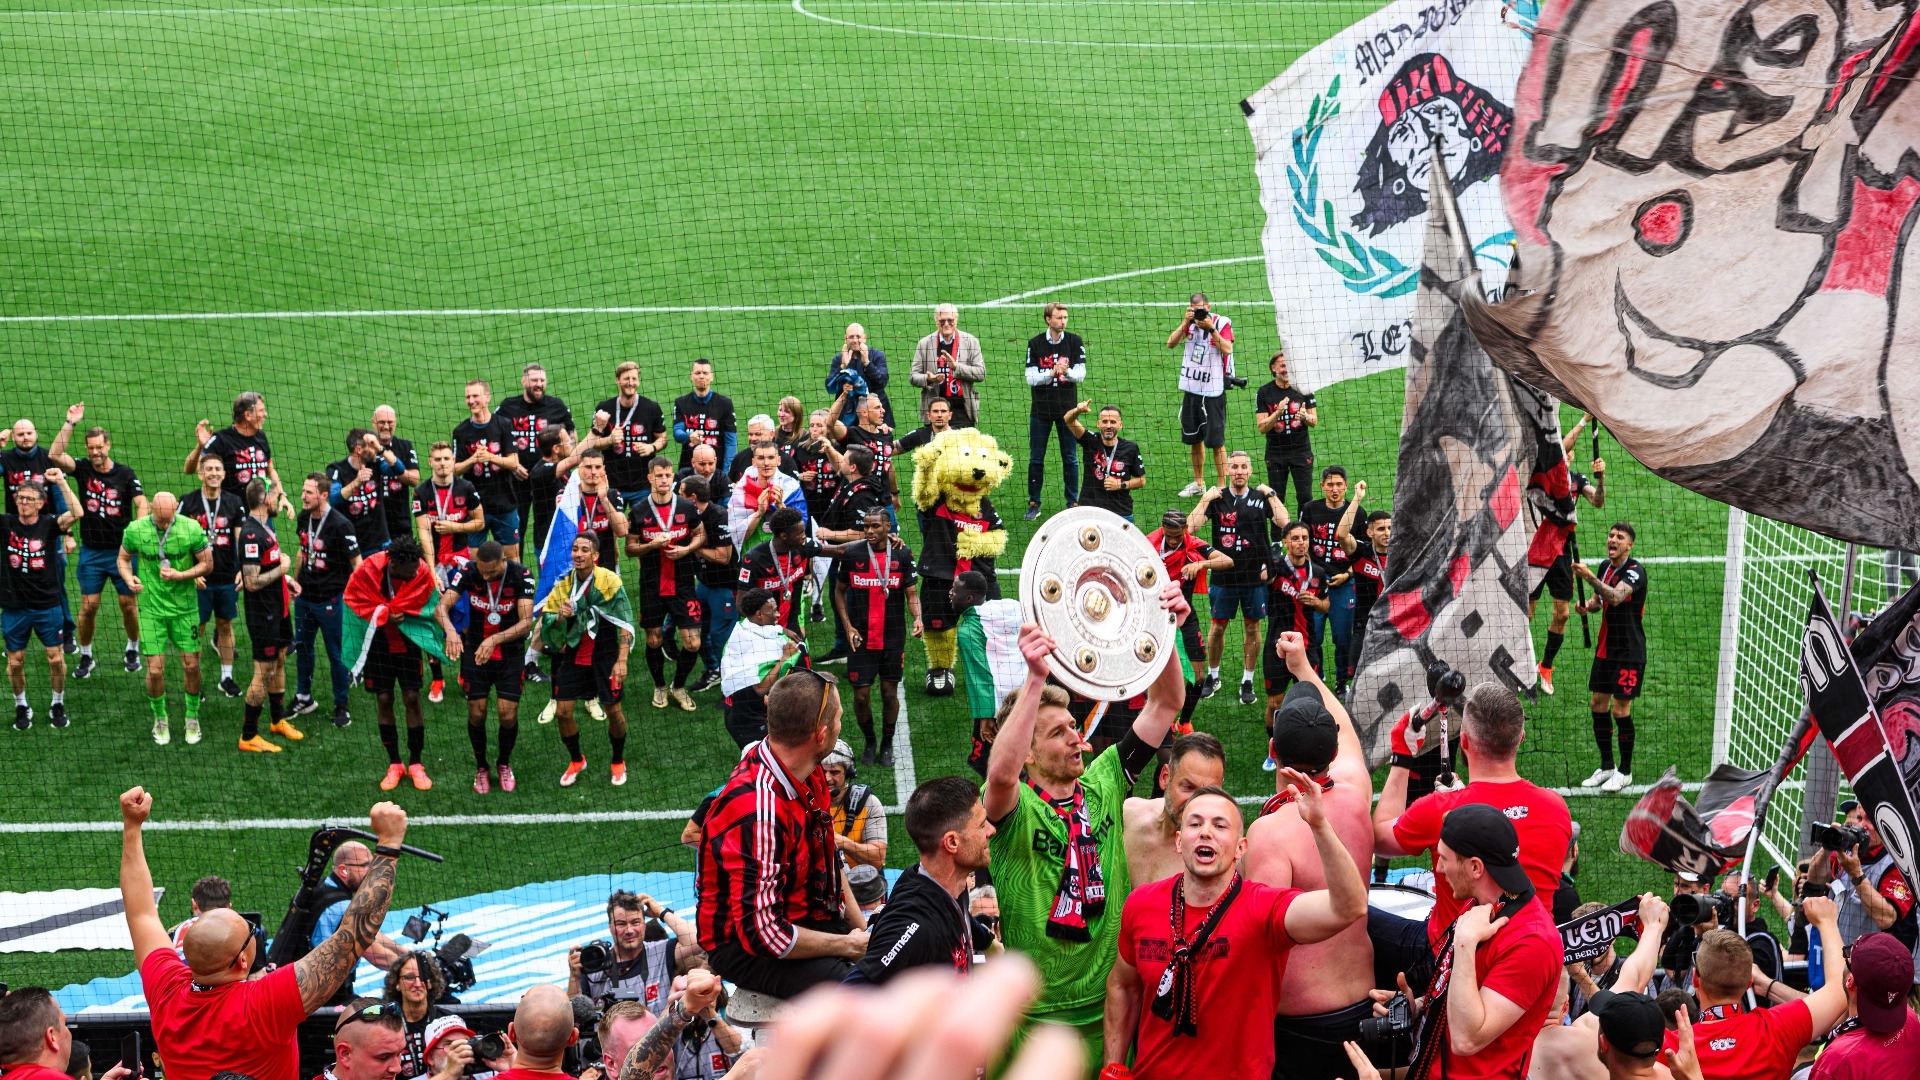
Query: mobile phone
(1773, 877)
(130, 1052)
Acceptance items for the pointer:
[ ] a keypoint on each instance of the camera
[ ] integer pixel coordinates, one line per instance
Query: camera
(1840, 837)
(1690, 908)
(1199, 313)
(1236, 382)
(595, 957)
(1397, 1022)
(486, 1048)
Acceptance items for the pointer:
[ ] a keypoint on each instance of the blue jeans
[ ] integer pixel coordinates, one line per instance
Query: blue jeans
(716, 606)
(312, 618)
(1340, 613)
(1039, 427)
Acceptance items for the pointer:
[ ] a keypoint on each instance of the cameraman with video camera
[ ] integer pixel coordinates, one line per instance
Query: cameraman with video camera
(1876, 895)
(1206, 370)
(629, 967)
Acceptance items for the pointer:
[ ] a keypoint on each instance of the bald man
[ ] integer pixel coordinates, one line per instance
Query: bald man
(399, 471)
(177, 556)
(369, 1042)
(655, 1048)
(351, 861)
(870, 364)
(207, 1016)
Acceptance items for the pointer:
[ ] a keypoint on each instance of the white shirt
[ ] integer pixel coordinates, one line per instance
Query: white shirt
(1203, 368)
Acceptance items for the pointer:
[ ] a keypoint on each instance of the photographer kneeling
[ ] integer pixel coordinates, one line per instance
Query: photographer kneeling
(629, 967)
(1876, 896)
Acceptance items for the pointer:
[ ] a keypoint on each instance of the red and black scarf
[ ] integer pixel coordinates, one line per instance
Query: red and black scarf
(1283, 798)
(1083, 889)
(1174, 1000)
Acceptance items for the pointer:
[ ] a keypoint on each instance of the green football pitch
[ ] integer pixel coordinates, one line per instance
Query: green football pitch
(345, 205)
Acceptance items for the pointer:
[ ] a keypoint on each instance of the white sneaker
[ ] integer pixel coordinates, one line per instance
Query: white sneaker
(546, 714)
(161, 734)
(193, 730)
(1192, 491)
(1618, 781)
(1600, 776)
(594, 710)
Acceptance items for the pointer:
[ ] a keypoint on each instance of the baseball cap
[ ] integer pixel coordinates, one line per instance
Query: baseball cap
(1305, 735)
(1848, 806)
(1882, 975)
(1631, 1022)
(445, 1027)
(842, 754)
(1478, 831)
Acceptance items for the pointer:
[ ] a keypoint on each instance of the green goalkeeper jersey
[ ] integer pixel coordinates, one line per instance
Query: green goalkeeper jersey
(181, 542)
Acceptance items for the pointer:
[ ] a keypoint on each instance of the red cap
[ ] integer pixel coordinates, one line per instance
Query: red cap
(1882, 974)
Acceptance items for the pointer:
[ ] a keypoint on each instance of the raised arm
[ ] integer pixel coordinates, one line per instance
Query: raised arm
(1322, 913)
(74, 508)
(1343, 532)
(1637, 969)
(58, 450)
(1073, 418)
(320, 972)
(136, 881)
(1168, 692)
(1829, 1003)
(1350, 758)
(1015, 738)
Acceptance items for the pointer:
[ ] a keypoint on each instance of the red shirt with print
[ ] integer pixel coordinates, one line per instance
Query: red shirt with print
(1539, 817)
(1759, 1045)
(245, 1027)
(1521, 962)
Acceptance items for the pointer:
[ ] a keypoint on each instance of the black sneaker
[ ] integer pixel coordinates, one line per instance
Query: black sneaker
(707, 681)
(818, 614)
(932, 686)
(229, 687)
(533, 673)
(341, 717)
(1209, 686)
(834, 656)
(83, 669)
(886, 755)
(942, 683)
(22, 717)
(866, 755)
(1033, 511)
(1246, 692)
(303, 705)
(131, 661)
(57, 714)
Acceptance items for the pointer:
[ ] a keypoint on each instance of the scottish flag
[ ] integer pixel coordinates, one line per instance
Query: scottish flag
(556, 558)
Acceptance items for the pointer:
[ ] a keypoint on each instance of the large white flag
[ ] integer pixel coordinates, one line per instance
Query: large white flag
(1342, 141)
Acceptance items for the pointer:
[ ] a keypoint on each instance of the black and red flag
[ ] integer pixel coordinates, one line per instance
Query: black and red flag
(1667, 830)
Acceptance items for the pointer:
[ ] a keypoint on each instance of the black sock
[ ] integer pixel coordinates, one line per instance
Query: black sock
(1603, 737)
(866, 729)
(1193, 700)
(572, 743)
(433, 665)
(681, 670)
(277, 707)
(390, 738)
(508, 733)
(619, 744)
(250, 726)
(1554, 641)
(886, 735)
(477, 735)
(1625, 723)
(657, 663)
(416, 742)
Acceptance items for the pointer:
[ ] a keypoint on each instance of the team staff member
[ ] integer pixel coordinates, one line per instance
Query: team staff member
(642, 968)
(30, 587)
(24, 459)
(219, 515)
(492, 651)
(1240, 517)
(873, 595)
(482, 453)
(329, 552)
(393, 659)
(1205, 367)
(241, 446)
(586, 627)
(1215, 945)
(110, 499)
(637, 429)
(1734, 1044)
(265, 575)
(939, 415)
(706, 466)
(1323, 517)
(1187, 559)
(177, 556)
(524, 416)
(207, 1015)
(1619, 653)
(1367, 555)
(703, 418)
(1056, 366)
(716, 567)
(357, 487)
(1059, 857)
(1114, 467)
(1284, 414)
(948, 366)
(397, 486)
(926, 922)
(664, 532)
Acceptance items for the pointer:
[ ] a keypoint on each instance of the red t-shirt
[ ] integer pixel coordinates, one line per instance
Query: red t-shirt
(1539, 816)
(1861, 1055)
(1758, 1045)
(245, 1027)
(32, 1072)
(1521, 962)
(1237, 981)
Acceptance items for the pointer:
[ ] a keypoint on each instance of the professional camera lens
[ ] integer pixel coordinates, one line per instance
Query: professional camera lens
(596, 956)
(1688, 908)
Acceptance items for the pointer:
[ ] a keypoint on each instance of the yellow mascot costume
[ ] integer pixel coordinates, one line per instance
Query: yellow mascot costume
(952, 476)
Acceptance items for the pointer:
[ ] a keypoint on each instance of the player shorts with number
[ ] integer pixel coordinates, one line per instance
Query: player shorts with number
(865, 665)
(181, 633)
(1616, 678)
(1203, 420)
(683, 608)
(503, 676)
(386, 669)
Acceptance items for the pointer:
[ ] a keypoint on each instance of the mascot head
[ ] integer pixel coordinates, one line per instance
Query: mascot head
(960, 466)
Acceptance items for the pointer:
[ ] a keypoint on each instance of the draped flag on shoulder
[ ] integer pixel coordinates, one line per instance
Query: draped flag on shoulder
(376, 605)
(1456, 585)
(753, 651)
(1877, 750)
(600, 598)
(556, 556)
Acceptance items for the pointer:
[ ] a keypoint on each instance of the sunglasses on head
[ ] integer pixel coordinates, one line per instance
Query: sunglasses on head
(369, 1014)
(827, 682)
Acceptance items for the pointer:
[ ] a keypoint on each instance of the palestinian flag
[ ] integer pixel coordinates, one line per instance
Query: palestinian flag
(752, 651)
(377, 604)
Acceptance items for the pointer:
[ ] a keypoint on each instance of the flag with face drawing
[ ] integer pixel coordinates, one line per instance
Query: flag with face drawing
(1456, 585)
(1766, 149)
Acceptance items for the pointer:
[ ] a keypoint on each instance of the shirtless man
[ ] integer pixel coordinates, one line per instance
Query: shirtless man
(1152, 824)
(1572, 1051)
(1324, 994)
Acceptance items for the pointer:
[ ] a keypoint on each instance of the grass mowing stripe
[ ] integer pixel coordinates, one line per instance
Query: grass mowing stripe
(657, 309)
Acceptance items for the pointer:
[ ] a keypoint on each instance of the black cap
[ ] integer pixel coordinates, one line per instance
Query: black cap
(1305, 736)
(1847, 806)
(1631, 1022)
(1478, 831)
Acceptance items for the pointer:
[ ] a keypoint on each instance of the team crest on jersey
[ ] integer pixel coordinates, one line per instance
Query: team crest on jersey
(1722, 1045)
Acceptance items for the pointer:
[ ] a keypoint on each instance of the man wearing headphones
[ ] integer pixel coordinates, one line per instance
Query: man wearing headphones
(859, 823)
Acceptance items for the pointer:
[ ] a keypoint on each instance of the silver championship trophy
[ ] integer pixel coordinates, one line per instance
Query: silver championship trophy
(1092, 582)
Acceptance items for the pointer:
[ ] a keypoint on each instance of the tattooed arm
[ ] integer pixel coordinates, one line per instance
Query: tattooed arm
(656, 1047)
(320, 972)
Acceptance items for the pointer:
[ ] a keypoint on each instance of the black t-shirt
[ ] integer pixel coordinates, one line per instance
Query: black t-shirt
(455, 502)
(914, 440)
(490, 480)
(492, 604)
(826, 480)
(1322, 522)
(260, 546)
(659, 575)
(851, 503)
(632, 425)
(1054, 396)
(365, 506)
(877, 584)
(246, 456)
(922, 925)
(107, 500)
(19, 466)
(525, 421)
(1240, 530)
(713, 574)
(1622, 637)
(1098, 461)
(543, 480)
(707, 423)
(779, 573)
(221, 520)
(328, 542)
(1288, 441)
(31, 574)
(398, 496)
(881, 443)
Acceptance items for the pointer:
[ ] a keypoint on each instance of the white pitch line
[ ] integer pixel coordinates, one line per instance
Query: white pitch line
(489, 313)
(903, 781)
(1119, 276)
(800, 7)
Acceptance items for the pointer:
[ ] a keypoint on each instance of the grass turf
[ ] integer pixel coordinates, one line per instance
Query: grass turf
(729, 154)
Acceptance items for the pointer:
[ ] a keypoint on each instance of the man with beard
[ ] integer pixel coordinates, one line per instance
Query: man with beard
(1114, 469)
(1332, 566)
(242, 446)
(1187, 559)
(401, 471)
(873, 597)
(219, 516)
(870, 431)
(926, 922)
(1198, 761)
(483, 453)
(779, 564)
(525, 416)
(716, 567)
(357, 488)
(174, 551)
(1284, 414)
(638, 431)
(859, 821)
(329, 553)
(111, 498)
(1619, 653)
(491, 652)
(266, 575)
(1215, 945)
(703, 418)
(1368, 557)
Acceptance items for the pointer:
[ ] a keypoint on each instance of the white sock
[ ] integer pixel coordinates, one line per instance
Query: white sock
(19, 699)
(86, 650)
(1246, 676)
(133, 645)
(1213, 673)
(226, 671)
(59, 696)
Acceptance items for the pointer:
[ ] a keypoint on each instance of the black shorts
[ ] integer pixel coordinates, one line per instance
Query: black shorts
(272, 636)
(582, 682)
(683, 608)
(503, 676)
(863, 665)
(936, 604)
(1559, 580)
(1616, 678)
(1203, 419)
(385, 669)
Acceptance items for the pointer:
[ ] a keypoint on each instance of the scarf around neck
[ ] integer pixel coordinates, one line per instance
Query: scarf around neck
(1175, 999)
(1082, 895)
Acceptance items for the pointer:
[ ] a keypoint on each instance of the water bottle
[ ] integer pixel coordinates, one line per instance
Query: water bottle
(1816, 961)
